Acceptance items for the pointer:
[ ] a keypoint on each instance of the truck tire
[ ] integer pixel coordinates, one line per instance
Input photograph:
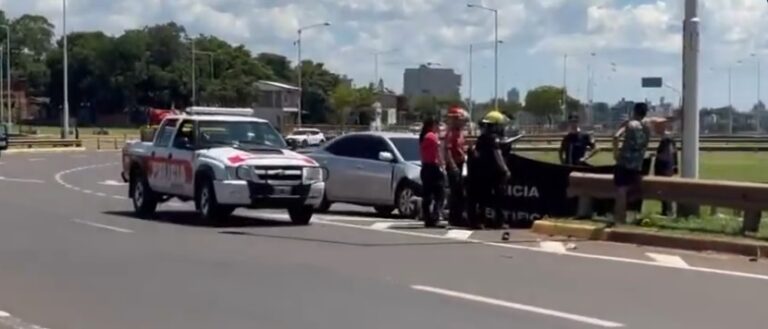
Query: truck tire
(144, 199)
(208, 206)
(301, 215)
(325, 205)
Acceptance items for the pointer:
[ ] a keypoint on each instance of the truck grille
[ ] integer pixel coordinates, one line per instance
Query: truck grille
(278, 175)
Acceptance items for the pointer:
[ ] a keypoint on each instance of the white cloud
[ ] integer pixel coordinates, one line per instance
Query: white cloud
(642, 35)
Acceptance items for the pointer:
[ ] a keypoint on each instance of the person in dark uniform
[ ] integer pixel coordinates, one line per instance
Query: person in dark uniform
(666, 163)
(577, 146)
(488, 173)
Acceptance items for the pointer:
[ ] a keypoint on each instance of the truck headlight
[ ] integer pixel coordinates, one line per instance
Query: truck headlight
(312, 175)
(244, 173)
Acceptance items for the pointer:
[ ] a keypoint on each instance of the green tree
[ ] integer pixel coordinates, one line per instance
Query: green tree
(544, 102)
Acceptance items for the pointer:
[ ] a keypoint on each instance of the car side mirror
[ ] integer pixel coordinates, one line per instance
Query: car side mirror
(386, 156)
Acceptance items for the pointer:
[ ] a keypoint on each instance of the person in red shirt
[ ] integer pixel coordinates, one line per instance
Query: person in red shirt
(455, 157)
(432, 177)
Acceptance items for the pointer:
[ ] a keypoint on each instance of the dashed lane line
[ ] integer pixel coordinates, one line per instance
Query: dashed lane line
(36, 159)
(538, 249)
(8, 320)
(520, 307)
(61, 181)
(20, 180)
(103, 226)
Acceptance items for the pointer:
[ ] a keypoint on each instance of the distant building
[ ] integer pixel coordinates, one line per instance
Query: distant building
(513, 95)
(431, 82)
(277, 103)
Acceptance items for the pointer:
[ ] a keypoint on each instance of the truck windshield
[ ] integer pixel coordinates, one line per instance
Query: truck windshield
(239, 133)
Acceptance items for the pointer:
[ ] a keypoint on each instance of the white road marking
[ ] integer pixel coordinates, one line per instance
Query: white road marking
(553, 246)
(36, 159)
(572, 254)
(20, 180)
(106, 227)
(668, 259)
(113, 183)
(79, 156)
(7, 320)
(520, 307)
(381, 226)
(119, 197)
(101, 194)
(87, 191)
(459, 234)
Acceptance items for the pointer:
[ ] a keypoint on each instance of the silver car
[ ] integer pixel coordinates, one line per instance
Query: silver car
(375, 169)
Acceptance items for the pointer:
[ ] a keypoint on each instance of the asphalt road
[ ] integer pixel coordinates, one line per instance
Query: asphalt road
(73, 257)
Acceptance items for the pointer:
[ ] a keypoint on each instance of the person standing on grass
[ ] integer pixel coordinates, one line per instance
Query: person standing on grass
(577, 146)
(455, 157)
(432, 177)
(666, 163)
(629, 159)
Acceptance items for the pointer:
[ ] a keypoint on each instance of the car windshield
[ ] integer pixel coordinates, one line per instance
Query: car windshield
(239, 134)
(408, 148)
(302, 132)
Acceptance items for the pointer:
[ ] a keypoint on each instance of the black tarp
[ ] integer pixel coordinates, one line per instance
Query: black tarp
(539, 189)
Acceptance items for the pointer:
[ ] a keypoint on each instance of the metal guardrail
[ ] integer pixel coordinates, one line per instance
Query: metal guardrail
(15, 143)
(752, 198)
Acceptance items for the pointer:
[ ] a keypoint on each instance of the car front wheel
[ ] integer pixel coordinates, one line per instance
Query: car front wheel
(209, 207)
(404, 202)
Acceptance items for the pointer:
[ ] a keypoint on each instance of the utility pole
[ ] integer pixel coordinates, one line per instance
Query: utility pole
(471, 102)
(565, 83)
(8, 71)
(65, 133)
(194, 74)
(690, 168)
(2, 96)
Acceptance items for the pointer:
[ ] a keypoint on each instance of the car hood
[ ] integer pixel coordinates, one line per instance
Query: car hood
(262, 157)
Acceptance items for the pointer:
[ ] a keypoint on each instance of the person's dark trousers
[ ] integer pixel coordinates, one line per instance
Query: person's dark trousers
(456, 199)
(475, 210)
(433, 193)
(667, 208)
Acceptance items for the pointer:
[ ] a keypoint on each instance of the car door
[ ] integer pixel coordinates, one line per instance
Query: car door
(372, 174)
(158, 172)
(180, 159)
(340, 158)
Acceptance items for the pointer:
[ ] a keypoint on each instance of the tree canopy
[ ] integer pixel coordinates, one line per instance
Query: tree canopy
(153, 67)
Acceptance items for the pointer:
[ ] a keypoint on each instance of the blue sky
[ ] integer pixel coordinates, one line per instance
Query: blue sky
(641, 37)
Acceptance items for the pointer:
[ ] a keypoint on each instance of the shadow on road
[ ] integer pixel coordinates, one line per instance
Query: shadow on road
(359, 213)
(191, 218)
(343, 243)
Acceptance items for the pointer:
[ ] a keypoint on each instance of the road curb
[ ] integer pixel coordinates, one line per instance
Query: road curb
(45, 150)
(585, 232)
(652, 239)
(692, 243)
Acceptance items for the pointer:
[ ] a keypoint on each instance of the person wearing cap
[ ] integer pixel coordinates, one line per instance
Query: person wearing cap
(577, 146)
(455, 157)
(488, 172)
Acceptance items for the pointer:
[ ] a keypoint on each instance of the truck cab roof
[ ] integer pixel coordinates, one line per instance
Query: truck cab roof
(221, 118)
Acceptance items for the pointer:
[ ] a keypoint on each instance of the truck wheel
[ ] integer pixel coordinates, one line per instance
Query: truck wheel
(301, 215)
(209, 206)
(403, 197)
(144, 199)
(325, 205)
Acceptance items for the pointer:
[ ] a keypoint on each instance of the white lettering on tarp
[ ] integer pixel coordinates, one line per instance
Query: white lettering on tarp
(513, 216)
(520, 191)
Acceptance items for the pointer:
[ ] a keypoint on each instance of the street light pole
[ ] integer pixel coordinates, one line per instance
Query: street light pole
(2, 96)
(65, 133)
(471, 105)
(194, 74)
(299, 66)
(495, 50)
(730, 99)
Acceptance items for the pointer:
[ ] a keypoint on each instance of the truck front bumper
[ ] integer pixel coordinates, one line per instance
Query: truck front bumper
(257, 195)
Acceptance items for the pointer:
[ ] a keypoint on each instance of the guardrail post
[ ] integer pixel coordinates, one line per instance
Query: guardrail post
(584, 210)
(751, 221)
(98, 143)
(115, 140)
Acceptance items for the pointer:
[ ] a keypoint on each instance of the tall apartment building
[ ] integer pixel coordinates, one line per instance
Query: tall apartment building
(431, 82)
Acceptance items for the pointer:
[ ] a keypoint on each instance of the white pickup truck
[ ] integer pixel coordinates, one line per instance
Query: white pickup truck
(221, 163)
